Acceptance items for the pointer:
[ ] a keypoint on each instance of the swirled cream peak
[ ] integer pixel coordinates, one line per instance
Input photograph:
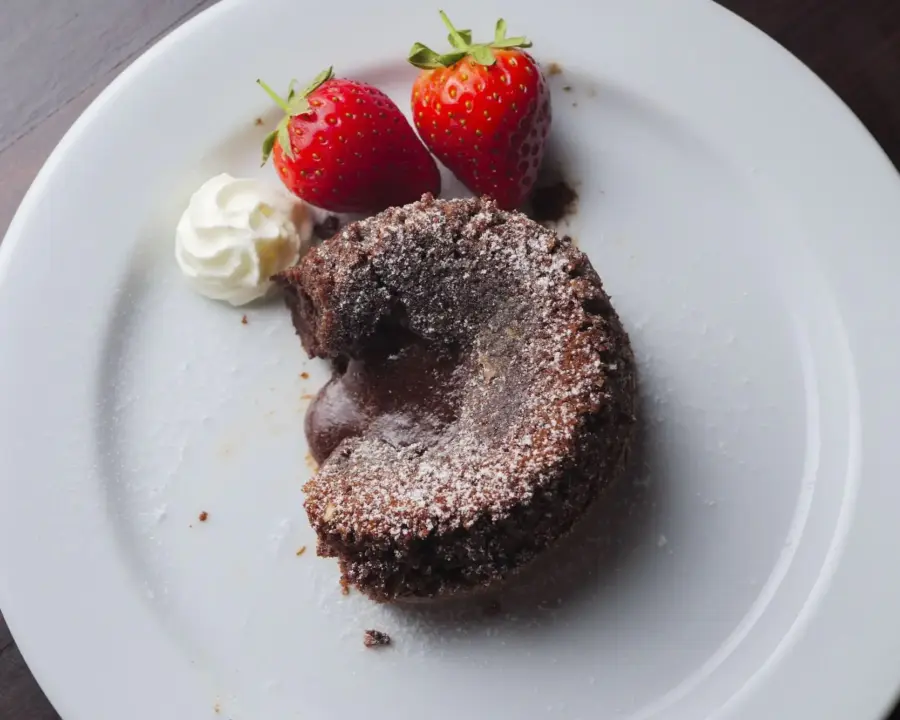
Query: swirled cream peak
(236, 233)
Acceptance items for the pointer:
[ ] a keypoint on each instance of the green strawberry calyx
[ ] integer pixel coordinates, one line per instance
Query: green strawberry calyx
(461, 40)
(296, 103)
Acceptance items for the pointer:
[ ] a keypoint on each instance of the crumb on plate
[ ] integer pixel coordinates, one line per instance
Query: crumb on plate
(244, 320)
(554, 68)
(553, 203)
(301, 550)
(202, 517)
(376, 638)
(327, 228)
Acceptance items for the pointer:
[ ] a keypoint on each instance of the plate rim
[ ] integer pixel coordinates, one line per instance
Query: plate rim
(16, 615)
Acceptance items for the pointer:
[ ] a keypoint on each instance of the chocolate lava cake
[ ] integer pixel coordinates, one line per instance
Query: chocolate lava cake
(483, 394)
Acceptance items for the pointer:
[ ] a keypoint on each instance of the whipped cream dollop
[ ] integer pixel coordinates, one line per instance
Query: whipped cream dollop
(236, 233)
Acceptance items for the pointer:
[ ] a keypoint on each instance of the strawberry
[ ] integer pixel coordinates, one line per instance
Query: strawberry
(346, 147)
(484, 111)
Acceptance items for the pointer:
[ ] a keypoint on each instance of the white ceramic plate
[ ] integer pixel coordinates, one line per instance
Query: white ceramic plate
(746, 226)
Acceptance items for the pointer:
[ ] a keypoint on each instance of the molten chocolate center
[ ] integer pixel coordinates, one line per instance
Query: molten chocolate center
(405, 397)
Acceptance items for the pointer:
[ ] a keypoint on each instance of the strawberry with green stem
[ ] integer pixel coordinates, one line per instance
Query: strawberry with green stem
(344, 146)
(484, 110)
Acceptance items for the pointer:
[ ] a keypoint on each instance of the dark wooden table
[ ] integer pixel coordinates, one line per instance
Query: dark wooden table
(57, 55)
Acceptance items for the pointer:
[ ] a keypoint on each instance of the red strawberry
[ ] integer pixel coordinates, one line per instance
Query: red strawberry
(346, 147)
(484, 111)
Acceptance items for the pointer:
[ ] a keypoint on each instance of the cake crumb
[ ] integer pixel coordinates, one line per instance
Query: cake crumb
(244, 320)
(567, 88)
(345, 586)
(307, 396)
(202, 517)
(553, 203)
(554, 68)
(327, 228)
(217, 708)
(304, 376)
(257, 122)
(301, 550)
(376, 638)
